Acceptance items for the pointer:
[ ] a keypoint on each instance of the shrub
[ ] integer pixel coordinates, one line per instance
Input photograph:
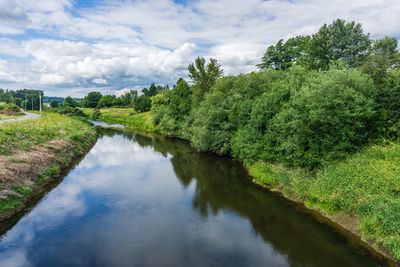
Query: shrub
(327, 118)
(96, 114)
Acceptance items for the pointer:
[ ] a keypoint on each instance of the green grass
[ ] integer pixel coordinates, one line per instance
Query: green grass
(366, 185)
(52, 170)
(5, 117)
(9, 204)
(22, 190)
(40, 180)
(125, 116)
(16, 160)
(22, 135)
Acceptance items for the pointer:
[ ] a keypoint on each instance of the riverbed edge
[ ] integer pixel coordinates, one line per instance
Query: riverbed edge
(330, 219)
(74, 153)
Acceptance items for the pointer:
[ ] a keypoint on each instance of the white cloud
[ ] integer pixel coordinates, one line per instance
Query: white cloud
(99, 81)
(124, 44)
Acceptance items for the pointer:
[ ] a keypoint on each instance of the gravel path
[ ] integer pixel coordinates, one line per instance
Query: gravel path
(27, 116)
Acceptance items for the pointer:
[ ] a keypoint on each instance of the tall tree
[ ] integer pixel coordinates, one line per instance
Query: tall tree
(180, 97)
(203, 77)
(92, 99)
(383, 58)
(339, 41)
(69, 101)
(53, 103)
(283, 55)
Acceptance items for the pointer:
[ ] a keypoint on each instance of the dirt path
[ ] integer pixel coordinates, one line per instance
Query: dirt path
(27, 116)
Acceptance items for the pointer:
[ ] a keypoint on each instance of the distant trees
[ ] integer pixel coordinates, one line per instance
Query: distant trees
(53, 103)
(25, 98)
(142, 103)
(92, 99)
(69, 101)
(106, 101)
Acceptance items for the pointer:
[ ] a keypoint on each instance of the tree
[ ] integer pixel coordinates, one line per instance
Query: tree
(18, 101)
(69, 101)
(117, 102)
(283, 55)
(31, 98)
(53, 103)
(142, 103)
(384, 57)
(106, 101)
(203, 77)
(339, 41)
(92, 99)
(181, 100)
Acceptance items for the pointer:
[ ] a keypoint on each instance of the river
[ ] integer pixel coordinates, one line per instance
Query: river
(136, 200)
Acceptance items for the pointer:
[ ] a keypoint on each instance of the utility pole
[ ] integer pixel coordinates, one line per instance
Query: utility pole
(40, 104)
(32, 103)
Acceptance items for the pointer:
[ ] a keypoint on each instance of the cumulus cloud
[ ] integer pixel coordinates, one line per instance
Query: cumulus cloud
(123, 44)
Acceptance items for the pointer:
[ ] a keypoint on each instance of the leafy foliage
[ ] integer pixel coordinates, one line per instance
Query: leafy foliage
(283, 55)
(203, 76)
(340, 41)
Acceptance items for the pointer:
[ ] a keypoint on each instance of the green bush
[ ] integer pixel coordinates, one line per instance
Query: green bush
(96, 114)
(327, 118)
(71, 111)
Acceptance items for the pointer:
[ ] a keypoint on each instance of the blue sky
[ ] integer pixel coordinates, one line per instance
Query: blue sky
(71, 47)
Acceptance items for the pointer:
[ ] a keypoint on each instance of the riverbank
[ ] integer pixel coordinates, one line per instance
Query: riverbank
(34, 153)
(359, 194)
(125, 116)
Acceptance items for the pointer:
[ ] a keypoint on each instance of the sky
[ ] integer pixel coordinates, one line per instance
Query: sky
(72, 47)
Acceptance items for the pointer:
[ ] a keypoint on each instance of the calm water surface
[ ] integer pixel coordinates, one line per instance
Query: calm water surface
(141, 201)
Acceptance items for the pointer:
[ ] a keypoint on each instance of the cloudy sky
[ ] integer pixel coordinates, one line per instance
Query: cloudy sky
(72, 47)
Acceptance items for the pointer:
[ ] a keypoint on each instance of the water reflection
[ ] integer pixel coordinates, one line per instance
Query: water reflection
(137, 200)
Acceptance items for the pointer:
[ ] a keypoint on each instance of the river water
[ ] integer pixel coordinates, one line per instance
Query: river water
(136, 200)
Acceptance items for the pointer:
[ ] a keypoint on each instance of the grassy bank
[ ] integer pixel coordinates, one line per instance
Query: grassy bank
(360, 193)
(125, 116)
(33, 152)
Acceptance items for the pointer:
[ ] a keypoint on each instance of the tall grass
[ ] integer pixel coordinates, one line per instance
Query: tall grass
(365, 185)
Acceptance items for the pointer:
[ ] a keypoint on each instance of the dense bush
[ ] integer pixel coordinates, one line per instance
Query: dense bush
(70, 111)
(327, 118)
(96, 114)
(9, 109)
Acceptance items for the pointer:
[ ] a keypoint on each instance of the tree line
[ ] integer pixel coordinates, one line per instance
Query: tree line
(27, 99)
(131, 99)
(315, 100)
